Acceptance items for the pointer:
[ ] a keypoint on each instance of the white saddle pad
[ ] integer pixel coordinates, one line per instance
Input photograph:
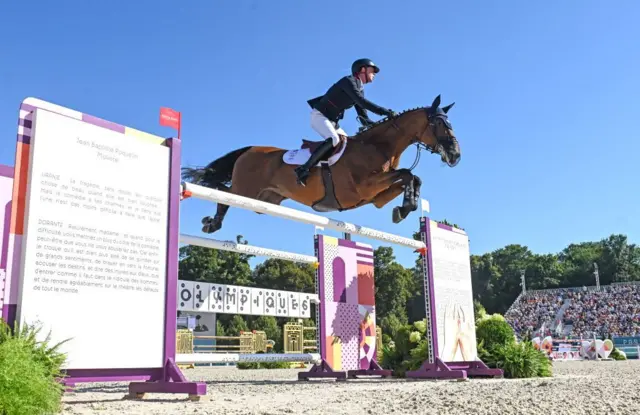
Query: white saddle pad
(300, 156)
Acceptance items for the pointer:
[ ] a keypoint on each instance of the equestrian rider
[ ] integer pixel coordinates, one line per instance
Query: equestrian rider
(329, 108)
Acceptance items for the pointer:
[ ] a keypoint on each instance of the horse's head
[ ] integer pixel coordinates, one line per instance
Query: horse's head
(438, 136)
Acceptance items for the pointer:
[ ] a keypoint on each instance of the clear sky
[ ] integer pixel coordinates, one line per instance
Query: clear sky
(547, 98)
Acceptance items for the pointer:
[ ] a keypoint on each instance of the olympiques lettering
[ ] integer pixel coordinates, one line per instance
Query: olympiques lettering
(223, 298)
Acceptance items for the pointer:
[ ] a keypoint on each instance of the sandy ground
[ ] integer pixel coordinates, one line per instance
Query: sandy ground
(576, 388)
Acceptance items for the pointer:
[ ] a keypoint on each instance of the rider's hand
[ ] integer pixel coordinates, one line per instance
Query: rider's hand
(391, 113)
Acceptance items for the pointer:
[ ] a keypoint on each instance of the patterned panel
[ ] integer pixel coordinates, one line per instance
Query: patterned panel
(330, 254)
(348, 303)
(346, 327)
(367, 336)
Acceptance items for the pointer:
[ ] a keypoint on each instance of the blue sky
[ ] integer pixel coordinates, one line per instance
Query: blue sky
(546, 98)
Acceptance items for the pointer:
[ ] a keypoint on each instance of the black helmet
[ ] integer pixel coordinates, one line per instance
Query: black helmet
(355, 67)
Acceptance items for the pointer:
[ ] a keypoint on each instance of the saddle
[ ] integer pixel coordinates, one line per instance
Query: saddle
(313, 146)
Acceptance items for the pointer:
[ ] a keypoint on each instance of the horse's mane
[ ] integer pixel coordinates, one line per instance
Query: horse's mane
(364, 133)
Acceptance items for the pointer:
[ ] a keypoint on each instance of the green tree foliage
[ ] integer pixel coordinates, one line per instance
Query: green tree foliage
(395, 286)
(278, 274)
(213, 265)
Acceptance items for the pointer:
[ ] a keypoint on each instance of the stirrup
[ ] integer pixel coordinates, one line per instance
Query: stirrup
(301, 178)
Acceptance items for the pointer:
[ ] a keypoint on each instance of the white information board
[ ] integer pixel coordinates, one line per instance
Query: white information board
(205, 297)
(451, 273)
(95, 243)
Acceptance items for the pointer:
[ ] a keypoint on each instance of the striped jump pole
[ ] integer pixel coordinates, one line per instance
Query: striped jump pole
(193, 358)
(247, 249)
(218, 196)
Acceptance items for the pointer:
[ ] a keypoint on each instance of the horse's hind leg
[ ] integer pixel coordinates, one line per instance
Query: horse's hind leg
(253, 173)
(210, 225)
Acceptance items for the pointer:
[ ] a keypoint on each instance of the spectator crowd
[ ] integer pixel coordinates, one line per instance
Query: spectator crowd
(612, 311)
(534, 310)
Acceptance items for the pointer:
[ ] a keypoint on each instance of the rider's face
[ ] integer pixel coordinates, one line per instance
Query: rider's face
(366, 75)
(369, 74)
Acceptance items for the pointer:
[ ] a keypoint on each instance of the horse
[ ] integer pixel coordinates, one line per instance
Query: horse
(366, 172)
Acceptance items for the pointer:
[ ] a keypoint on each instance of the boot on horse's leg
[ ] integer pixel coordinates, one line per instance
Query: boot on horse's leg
(302, 172)
(408, 203)
(417, 184)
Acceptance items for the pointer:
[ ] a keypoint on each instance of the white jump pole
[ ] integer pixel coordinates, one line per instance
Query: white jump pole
(218, 196)
(193, 358)
(246, 249)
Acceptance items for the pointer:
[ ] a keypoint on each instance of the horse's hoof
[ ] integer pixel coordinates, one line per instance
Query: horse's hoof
(397, 215)
(211, 226)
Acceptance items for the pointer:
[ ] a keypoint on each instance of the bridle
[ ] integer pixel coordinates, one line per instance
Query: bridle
(440, 139)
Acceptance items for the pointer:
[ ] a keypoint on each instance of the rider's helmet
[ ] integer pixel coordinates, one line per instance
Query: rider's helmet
(355, 67)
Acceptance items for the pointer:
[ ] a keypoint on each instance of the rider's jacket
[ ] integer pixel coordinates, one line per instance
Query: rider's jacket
(342, 95)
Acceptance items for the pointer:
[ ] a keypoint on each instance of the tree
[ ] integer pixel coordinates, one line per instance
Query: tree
(278, 274)
(619, 259)
(578, 262)
(214, 265)
(393, 286)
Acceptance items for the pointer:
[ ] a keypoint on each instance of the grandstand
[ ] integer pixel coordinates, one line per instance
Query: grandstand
(580, 312)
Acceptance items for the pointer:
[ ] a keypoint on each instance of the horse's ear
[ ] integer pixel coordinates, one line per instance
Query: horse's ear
(436, 103)
(448, 107)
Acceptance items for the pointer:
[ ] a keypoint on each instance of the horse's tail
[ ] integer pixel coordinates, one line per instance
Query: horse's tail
(217, 174)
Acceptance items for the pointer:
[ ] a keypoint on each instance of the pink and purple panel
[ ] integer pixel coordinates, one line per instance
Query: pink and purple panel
(346, 291)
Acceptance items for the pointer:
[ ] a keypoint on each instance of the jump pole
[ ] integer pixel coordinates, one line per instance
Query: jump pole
(218, 196)
(247, 357)
(247, 249)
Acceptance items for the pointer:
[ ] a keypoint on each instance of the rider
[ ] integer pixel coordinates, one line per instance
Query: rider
(329, 108)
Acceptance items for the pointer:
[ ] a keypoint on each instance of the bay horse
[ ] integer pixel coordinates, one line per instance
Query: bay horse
(366, 172)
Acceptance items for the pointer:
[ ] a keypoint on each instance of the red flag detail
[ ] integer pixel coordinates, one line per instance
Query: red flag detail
(169, 118)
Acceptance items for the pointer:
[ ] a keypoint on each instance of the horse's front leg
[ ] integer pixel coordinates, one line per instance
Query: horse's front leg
(387, 186)
(409, 200)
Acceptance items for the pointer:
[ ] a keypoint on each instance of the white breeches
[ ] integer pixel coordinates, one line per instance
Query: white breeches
(325, 128)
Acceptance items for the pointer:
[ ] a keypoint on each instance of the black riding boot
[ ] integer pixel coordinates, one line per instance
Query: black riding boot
(302, 172)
